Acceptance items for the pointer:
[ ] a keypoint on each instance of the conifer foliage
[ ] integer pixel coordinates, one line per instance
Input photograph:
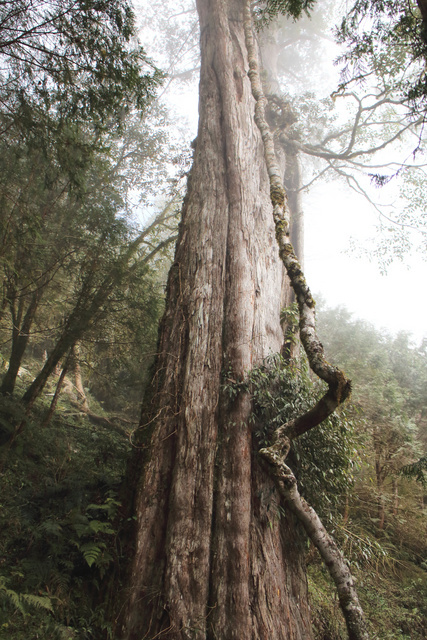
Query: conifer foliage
(77, 59)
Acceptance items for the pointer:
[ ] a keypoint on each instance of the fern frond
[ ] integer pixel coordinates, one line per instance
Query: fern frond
(17, 599)
(51, 527)
(91, 552)
(40, 602)
(98, 526)
(12, 596)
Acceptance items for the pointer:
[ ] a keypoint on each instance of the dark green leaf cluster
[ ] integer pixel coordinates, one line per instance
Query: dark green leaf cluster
(22, 600)
(416, 470)
(267, 11)
(387, 38)
(60, 520)
(75, 60)
(323, 459)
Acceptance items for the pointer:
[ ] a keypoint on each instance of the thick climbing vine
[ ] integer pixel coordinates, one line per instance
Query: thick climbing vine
(339, 387)
(323, 458)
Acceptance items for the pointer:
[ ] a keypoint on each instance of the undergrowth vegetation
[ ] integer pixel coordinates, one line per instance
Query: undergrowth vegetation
(379, 521)
(64, 515)
(60, 546)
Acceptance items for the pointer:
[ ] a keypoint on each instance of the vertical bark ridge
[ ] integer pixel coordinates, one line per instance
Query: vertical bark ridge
(175, 497)
(231, 558)
(279, 604)
(203, 567)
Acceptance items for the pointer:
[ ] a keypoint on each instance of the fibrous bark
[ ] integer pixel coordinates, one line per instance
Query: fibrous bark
(213, 559)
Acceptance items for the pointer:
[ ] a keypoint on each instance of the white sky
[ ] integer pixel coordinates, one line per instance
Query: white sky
(395, 301)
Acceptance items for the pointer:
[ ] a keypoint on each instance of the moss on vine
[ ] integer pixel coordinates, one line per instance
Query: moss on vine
(277, 195)
(323, 458)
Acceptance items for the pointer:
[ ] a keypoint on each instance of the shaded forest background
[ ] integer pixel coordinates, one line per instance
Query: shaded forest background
(86, 148)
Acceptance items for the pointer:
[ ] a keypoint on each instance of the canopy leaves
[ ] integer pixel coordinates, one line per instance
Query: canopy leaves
(72, 59)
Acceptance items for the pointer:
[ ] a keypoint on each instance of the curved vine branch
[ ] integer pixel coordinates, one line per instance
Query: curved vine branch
(327, 547)
(339, 385)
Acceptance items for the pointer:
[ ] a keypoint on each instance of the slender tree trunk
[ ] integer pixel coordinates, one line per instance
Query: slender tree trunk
(20, 339)
(380, 496)
(65, 343)
(78, 381)
(395, 496)
(381, 512)
(80, 319)
(55, 398)
(3, 303)
(90, 302)
(213, 558)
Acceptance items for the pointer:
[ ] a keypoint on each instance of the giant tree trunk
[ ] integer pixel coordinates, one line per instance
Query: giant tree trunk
(213, 558)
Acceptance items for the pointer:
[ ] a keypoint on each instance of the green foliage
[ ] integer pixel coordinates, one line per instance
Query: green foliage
(78, 60)
(326, 461)
(327, 620)
(394, 604)
(19, 600)
(389, 375)
(273, 8)
(72, 256)
(382, 532)
(60, 521)
(118, 352)
(397, 604)
(387, 38)
(416, 470)
(289, 318)
(337, 466)
(324, 458)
